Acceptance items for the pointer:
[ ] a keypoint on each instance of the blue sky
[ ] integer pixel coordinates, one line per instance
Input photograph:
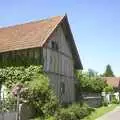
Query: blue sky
(95, 25)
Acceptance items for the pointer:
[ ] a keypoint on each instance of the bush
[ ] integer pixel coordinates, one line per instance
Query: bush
(114, 100)
(48, 118)
(37, 92)
(74, 112)
(40, 95)
(89, 83)
(108, 89)
(105, 103)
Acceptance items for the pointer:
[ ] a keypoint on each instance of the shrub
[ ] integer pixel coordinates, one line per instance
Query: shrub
(48, 118)
(89, 83)
(114, 100)
(8, 104)
(40, 95)
(37, 94)
(74, 112)
(105, 103)
(108, 89)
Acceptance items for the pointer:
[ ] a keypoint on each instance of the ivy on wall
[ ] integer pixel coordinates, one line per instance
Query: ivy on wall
(38, 92)
(12, 75)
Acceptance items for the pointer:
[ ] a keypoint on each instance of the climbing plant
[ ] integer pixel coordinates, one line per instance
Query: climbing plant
(38, 92)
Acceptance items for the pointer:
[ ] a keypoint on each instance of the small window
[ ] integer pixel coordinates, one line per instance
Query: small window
(54, 45)
(62, 87)
(50, 59)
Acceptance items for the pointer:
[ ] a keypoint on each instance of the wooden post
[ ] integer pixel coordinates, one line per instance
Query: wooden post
(17, 110)
(16, 92)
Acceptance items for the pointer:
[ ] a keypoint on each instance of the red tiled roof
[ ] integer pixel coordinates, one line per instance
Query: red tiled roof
(35, 34)
(28, 35)
(113, 81)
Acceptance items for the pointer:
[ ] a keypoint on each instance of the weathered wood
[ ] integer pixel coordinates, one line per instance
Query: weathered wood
(59, 65)
(58, 62)
(21, 57)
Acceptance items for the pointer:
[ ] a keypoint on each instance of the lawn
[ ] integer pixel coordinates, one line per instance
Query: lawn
(100, 111)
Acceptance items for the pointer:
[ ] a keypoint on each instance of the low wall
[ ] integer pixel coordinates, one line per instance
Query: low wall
(92, 99)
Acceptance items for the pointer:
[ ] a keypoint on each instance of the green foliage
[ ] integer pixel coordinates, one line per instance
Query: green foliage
(114, 100)
(37, 93)
(10, 59)
(40, 96)
(108, 72)
(74, 112)
(9, 104)
(48, 118)
(108, 89)
(12, 75)
(90, 84)
(100, 112)
(92, 73)
(105, 103)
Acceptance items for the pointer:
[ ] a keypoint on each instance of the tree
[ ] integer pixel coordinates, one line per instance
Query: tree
(90, 84)
(108, 72)
(92, 73)
(108, 89)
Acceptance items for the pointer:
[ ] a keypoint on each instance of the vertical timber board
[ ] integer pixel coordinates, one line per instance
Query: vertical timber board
(65, 66)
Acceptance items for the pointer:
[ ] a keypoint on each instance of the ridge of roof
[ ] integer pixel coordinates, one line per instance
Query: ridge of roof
(29, 22)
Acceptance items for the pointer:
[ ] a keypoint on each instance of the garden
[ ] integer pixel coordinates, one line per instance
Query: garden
(35, 91)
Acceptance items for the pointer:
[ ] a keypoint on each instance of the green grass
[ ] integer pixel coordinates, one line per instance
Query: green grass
(99, 112)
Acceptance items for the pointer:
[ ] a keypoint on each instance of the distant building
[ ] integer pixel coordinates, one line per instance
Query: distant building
(48, 42)
(114, 82)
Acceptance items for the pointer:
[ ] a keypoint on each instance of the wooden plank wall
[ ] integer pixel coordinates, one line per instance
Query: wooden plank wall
(59, 65)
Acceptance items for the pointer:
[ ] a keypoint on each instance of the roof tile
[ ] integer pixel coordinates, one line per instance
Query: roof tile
(113, 81)
(28, 35)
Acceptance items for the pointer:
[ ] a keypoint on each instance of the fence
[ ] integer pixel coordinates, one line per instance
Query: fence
(8, 116)
(10, 110)
(92, 99)
(7, 107)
